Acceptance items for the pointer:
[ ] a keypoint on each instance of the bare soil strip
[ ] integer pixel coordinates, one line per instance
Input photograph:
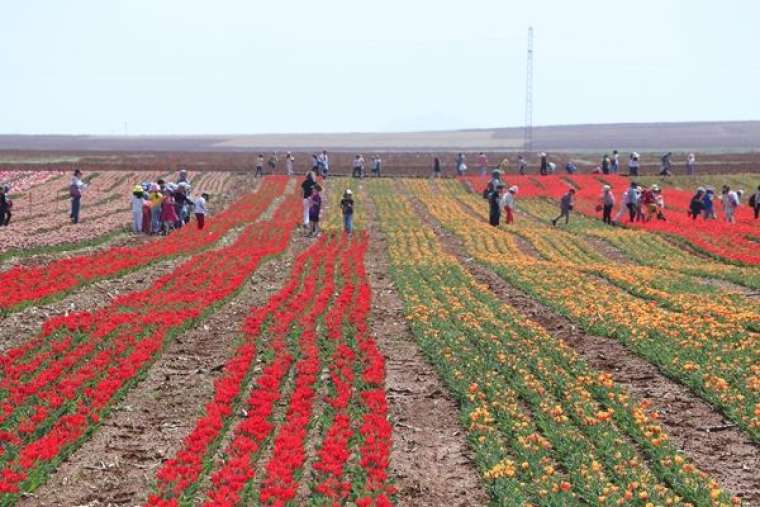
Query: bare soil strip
(117, 466)
(714, 444)
(431, 462)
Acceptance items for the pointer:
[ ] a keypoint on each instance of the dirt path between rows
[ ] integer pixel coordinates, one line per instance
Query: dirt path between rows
(118, 465)
(431, 462)
(709, 439)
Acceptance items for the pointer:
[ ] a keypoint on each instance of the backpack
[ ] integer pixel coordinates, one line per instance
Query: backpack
(74, 191)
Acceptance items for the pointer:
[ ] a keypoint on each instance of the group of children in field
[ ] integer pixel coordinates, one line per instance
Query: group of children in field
(312, 206)
(160, 207)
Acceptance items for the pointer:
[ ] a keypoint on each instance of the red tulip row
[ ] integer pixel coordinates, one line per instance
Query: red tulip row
(24, 285)
(737, 242)
(90, 359)
(294, 311)
(179, 475)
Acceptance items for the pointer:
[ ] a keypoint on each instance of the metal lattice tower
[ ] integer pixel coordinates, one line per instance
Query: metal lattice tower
(528, 133)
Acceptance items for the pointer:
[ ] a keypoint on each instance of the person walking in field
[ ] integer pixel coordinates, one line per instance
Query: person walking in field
(259, 166)
(522, 165)
(691, 164)
(137, 209)
(315, 163)
(76, 188)
(607, 203)
(323, 163)
(308, 188)
(754, 202)
(200, 210)
(314, 211)
(649, 202)
(289, 160)
(570, 167)
(436, 167)
(347, 208)
(666, 165)
(566, 204)
(730, 203)
(508, 203)
(633, 165)
(483, 163)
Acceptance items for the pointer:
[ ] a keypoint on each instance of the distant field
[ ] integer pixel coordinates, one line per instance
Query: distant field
(702, 136)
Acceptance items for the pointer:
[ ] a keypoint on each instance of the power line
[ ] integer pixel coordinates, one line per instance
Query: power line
(528, 132)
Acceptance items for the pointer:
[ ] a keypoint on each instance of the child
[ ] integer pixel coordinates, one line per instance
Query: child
(565, 206)
(607, 202)
(137, 209)
(199, 208)
(155, 199)
(347, 206)
(314, 210)
(709, 204)
(168, 211)
(259, 166)
(508, 203)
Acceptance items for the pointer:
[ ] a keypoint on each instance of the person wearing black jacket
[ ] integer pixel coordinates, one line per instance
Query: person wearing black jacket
(494, 204)
(308, 188)
(544, 165)
(5, 206)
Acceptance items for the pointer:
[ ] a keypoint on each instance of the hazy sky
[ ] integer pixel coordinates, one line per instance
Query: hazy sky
(254, 66)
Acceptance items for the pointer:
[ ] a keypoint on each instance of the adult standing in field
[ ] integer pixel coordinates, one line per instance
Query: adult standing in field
(289, 159)
(709, 204)
(522, 165)
(436, 167)
(76, 188)
(308, 188)
(137, 209)
(615, 162)
(357, 167)
(5, 206)
(347, 208)
(566, 204)
(323, 163)
(571, 168)
(666, 165)
(606, 164)
(315, 163)
(461, 164)
(272, 163)
(483, 163)
(259, 166)
(200, 210)
(633, 164)
(544, 169)
(504, 165)
(508, 203)
(691, 164)
(730, 204)
(754, 202)
(377, 165)
(607, 203)
(494, 204)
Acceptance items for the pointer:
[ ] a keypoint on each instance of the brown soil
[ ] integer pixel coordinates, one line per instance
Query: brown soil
(714, 444)
(118, 465)
(431, 462)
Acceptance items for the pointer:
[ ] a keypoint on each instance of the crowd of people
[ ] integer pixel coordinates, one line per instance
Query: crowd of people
(312, 205)
(638, 202)
(160, 207)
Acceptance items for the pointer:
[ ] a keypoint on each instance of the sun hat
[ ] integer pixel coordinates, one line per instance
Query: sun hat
(137, 188)
(607, 187)
(513, 189)
(348, 191)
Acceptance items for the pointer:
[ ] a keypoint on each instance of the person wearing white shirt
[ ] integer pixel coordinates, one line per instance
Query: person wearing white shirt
(508, 203)
(289, 163)
(199, 208)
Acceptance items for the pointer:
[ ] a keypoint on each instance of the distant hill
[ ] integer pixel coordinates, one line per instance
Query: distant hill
(702, 136)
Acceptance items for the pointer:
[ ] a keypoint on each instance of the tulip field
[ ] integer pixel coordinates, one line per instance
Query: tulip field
(248, 364)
